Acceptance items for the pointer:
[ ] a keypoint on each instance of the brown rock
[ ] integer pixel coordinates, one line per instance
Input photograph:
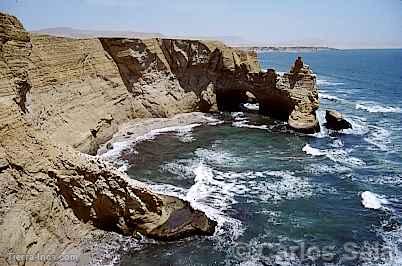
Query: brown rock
(182, 223)
(208, 100)
(171, 76)
(60, 97)
(52, 196)
(77, 97)
(251, 98)
(336, 121)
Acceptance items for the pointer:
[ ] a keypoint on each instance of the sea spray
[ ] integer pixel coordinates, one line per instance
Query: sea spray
(373, 201)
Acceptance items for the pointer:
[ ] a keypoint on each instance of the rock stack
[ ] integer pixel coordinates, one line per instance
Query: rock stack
(335, 120)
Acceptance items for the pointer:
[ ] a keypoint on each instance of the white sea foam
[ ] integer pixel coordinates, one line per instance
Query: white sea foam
(214, 191)
(329, 97)
(117, 147)
(374, 107)
(337, 143)
(241, 121)
(325, 82)
(219, 157)
(252, 106)
(336, 155)
(379, 137)
(180, 169)
(371, 200)
(359, 125)
(285, 186)
(238, 116)
(245, 124)
(342, 156)
(321, 120)
(212, 121)
(312, 151)
(393, 241)
(393, 180)
(185, 133)
(320, 168)
(213, 196)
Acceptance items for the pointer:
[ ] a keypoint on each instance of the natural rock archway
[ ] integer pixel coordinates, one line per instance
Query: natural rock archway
(201, 72)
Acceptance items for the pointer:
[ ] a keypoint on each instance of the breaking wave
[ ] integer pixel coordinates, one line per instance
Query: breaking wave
(378, 137)
(359, 126)
(329, 97)
(252, 106)
(215, 191)
(336, 155)
(312, 151)
(373, 201)
(325, 82)
(373, 107)
(242, 121)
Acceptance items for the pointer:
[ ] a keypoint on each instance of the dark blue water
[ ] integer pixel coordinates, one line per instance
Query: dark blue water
(283, 198)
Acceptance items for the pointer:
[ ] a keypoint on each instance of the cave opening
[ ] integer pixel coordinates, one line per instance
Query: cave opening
(237, 101)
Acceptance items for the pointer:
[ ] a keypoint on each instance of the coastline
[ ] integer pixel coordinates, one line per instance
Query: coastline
(61, 98)
(137, 130)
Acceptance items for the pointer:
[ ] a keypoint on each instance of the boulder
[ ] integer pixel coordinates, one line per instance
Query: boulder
(182, 223)
(251, 98)
(208, 100)
(335, 120)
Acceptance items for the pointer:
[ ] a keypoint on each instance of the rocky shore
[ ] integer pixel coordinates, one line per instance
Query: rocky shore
(61, 99)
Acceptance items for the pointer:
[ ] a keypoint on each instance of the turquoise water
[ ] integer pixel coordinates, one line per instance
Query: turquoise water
(282, 198)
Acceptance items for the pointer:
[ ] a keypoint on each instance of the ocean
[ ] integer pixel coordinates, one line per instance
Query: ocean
(284, 198)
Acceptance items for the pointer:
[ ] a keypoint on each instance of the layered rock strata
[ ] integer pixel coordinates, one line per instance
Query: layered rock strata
(60, 97)
(181, 75)
(52, 195)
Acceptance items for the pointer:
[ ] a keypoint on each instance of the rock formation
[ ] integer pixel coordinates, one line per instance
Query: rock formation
(170, 76)
(60, 97)
(53, 195)
(336, 121)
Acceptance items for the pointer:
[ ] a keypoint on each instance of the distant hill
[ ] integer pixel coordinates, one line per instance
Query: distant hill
(228, 40)
(78, 33)
(234, 41)
(286, 48)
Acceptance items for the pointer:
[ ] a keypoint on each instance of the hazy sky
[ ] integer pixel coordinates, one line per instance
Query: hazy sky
(339, 23)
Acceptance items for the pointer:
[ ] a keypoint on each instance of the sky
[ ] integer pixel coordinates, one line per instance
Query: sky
(336, 23)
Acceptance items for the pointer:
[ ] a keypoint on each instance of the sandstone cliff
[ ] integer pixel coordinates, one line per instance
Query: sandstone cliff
(169, 76)
(52, 195)
(60, 97)
(83, 89)
(77, 95)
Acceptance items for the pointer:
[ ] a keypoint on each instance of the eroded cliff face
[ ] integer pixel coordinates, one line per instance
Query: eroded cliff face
(60, 97)
(169, 76)
(83, 89)
(51, 195)
(77, 95)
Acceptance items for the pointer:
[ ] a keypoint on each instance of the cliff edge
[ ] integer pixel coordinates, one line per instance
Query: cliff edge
(61, 98)
(169, 76)
(52, 195)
